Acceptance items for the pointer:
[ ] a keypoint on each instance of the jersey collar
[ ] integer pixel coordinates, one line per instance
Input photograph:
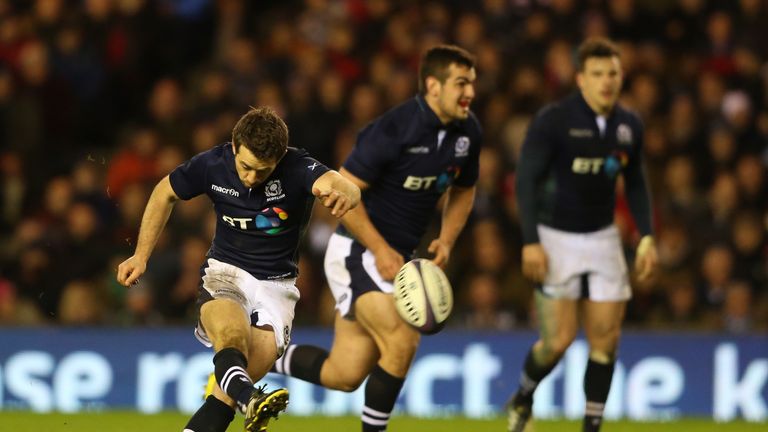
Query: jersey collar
(229, 157)
(428, 116)
(583, 102)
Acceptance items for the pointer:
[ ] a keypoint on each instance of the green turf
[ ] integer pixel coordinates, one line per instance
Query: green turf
(13, 421)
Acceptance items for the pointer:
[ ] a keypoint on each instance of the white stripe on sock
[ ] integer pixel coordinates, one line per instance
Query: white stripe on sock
(231, 373)
(527, 383)
(372, 412)
(279, 365)
(373, 421)
(594, 409)
(287, 359)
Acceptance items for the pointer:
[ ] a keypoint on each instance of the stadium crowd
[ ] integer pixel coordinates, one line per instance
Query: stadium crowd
(101, 98)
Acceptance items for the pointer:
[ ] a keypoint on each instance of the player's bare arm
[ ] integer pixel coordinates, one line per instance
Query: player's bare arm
(646, 258)
(535, 262)
(336, 193)
(456, 210)
(357, 222)
(155, 217)
(639, 200)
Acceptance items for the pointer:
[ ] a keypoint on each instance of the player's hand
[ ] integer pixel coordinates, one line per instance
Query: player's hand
(535, 262)
(388, 262)
(646, 258)
(338, 202)
(442, 252)
(128, 271)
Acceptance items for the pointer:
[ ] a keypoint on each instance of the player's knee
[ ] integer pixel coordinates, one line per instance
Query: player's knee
(554, 348)
(605, 336)
(602, 356)
(349, 383)
(403, 344)
(344, 379)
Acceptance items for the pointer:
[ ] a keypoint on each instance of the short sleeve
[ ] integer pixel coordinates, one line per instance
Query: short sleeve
(311, 169)
(188, 179)
(375, 149)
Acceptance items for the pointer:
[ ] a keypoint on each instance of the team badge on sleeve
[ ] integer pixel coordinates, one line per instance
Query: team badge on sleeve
(462, 146)
(624, 134)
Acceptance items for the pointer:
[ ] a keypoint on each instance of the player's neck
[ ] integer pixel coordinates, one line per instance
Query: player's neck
(435, 107)
(601, 110)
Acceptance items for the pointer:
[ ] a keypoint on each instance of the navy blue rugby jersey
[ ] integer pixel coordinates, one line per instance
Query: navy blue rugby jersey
(257, 229)
(409, 158)
(566, 177)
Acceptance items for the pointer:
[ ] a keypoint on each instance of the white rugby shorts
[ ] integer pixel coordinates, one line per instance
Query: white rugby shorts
(585, 265)
(265, 302)
(351, 272)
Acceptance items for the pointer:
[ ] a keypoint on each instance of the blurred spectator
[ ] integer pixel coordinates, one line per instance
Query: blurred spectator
(723, 202)
(484, 310)
(135, 163)
(16, 310)
(748, 240)
(681, 307)
(680, 199)
(716, 274)
(751, 178)
(13, 189)
(737, 308)
(81, 304)
(98, 99)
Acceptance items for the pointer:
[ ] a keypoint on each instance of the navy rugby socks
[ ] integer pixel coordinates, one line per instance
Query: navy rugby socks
(381, 393)
(230, 368)
(303, 362)
(531, 376)
(213, 416)
(597, 384)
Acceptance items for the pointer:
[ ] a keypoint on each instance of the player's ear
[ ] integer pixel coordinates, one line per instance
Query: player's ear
(433, 85)
(580, 80)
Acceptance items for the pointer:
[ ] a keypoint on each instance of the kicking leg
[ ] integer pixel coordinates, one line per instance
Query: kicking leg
(228, 328)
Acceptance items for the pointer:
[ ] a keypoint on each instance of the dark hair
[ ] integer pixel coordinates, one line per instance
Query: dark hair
(262, 132)
(436, 60)
(595, 47)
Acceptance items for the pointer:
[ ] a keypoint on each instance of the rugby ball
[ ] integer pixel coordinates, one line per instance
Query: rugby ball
(423, 295)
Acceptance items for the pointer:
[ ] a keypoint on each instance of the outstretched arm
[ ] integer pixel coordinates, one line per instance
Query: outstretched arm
(336, 192)
(357, 222)
(457, 208)
(155, 217)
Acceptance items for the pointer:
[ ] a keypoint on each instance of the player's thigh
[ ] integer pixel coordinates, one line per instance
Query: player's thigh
(558, 321)
(352, 357)
(602, 324)
(376, 312)
(225, 323)
(262, 351)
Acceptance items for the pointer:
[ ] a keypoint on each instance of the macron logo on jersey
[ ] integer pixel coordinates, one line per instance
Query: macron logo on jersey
(225, 191)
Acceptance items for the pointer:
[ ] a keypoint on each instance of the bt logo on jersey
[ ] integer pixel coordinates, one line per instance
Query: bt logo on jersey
(419, 183)
(611, 166)
(269, 220)
(587, 165)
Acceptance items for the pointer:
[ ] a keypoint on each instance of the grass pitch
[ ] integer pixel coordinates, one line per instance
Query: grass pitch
(14, 421)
